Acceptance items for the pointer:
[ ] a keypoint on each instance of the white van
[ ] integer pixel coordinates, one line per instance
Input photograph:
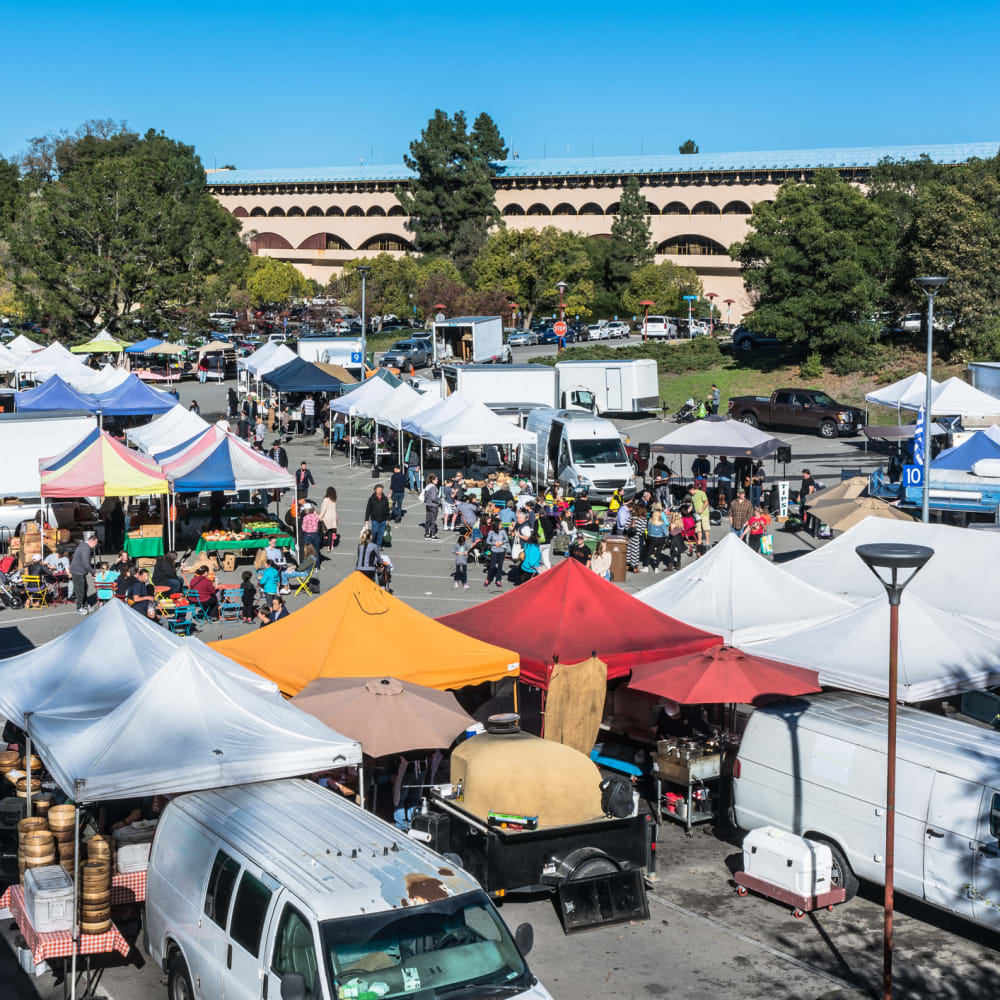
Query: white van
(659, 327)
(284, 889)
(816, 766)
(578, 449)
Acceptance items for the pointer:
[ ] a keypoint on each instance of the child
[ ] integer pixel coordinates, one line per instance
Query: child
(249, 594)
(104, 580)
(461, 564)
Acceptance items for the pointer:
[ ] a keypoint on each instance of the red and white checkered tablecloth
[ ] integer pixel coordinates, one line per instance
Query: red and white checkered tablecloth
(59, 944)
(126, 888)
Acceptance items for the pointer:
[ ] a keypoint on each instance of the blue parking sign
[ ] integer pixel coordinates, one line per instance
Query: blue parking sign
(913, 475)
(355, 357)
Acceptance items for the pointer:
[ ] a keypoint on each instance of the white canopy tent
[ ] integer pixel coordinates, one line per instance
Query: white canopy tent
(97, 383)
(960, 557)
(908, 393)
(476, 425)
(366, 401)
(741, 596)
(175, 427)
(8, 360)
(189, 726)
(53, 360)
(25, 437)
(403, 403)
(955, 398)
(940, 653)
(21, 346)
(272, 355)
(95, 666)
(442, 410)
(718, 436)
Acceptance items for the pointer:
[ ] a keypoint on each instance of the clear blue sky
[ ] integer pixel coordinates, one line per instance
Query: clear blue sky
(281, 85)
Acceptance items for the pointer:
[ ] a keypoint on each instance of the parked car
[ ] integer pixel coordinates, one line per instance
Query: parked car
(747, 340)
(660, 327)
(523, 338)
(548, 336)
(798, 408)
(617, 329)
(405, 353)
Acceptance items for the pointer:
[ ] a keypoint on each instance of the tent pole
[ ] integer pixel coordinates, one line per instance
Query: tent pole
(361, 784)
(423, 479)
(375, 448)
(27, 765)
(76, 899)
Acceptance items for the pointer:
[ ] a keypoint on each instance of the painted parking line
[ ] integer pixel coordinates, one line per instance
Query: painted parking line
(36, 618)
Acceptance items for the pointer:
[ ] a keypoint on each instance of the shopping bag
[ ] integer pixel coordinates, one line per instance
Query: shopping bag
(387, 536)
(766, 545)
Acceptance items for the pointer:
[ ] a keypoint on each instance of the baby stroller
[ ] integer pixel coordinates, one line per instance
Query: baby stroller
(689, 412)
(11, 594)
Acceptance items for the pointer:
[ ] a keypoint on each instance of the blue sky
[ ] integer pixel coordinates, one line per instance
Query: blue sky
(274, 85)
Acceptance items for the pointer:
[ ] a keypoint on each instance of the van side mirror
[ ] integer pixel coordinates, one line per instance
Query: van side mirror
(524, 938)
(293, 986)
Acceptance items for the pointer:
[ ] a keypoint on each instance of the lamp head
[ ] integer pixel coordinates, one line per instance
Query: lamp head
(562, 286)
(363, 270)
(930, 283)
(888, 560)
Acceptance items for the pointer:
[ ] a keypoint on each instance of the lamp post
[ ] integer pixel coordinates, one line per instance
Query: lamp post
(562, 286)
(930, 285)
(711, 296)
(513, 314)
(363, 270)
(892, 559)
(690, 299)
(729, 311)
(645, 303)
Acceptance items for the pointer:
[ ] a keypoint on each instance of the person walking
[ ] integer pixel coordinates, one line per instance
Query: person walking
(80, 567)
(328, 516)
(740, 511)
(303, 480)
(377, 514)
(233, 401)
(656, 529)
(259, 432)
(702, 513)
(497, 543)
(309, 414)
(413, 470)
(755, 529)
(397, 490)
(448, 504)
(713, 399)
(243, 427)
(432, 504)
(636, 533)
(462, 564)
(369, 557)
(311, 529)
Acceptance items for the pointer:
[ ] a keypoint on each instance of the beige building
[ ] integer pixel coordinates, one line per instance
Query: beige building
(698, 204)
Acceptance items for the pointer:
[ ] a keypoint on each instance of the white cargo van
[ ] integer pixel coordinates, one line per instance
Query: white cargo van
(579, 450)
(816, 766)
(284, 889)
(612, 386)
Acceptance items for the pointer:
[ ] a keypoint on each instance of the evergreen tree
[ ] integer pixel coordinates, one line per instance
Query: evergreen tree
(688, 147)
(451, 202)
(631, 245)
(487, 140)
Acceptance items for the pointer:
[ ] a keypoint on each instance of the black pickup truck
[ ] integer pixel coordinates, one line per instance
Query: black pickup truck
(798, 408)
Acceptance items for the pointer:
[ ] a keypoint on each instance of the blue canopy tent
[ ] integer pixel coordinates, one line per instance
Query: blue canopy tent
(963, 457)
(54, 394)
(302, 376)
(144, 346)
(133, 398)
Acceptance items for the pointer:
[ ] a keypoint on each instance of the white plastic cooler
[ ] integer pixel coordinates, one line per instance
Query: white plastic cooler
(48, 898)
(787, 861)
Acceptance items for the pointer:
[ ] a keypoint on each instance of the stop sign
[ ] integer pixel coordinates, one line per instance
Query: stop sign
(559, 329)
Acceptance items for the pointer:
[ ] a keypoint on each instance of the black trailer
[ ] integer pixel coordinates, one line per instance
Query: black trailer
(595, 868)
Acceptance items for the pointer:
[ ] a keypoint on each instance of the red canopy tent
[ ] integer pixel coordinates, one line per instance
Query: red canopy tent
(569, 613)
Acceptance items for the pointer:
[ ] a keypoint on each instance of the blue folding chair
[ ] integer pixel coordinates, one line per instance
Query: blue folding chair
(230, 604)
(182, 620)
(200, 614)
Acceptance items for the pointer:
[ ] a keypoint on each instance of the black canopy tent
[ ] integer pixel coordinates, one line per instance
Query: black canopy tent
(302, 376)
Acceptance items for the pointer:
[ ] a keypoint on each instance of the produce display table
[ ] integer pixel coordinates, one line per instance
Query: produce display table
(148, 548)
(241, 545)
(59, 944)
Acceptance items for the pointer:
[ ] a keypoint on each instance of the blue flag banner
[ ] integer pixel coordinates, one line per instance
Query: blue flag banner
(919, 439)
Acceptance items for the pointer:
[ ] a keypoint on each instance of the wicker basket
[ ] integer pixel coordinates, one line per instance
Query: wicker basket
(101, 927)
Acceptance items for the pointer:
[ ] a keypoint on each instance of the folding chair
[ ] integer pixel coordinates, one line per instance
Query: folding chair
(230, 604)
(200, 614)
(182, 620)
(36, 593)
(303, 582)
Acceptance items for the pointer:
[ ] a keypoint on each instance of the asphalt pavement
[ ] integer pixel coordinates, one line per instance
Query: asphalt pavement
(701, 940)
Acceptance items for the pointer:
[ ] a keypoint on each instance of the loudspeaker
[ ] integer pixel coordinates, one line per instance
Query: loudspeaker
(644, 450)
(785, 454)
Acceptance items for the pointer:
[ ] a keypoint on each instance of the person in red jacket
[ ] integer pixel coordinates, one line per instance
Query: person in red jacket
(205, 590)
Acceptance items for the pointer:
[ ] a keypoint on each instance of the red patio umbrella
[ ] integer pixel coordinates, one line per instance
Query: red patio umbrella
(720, 675)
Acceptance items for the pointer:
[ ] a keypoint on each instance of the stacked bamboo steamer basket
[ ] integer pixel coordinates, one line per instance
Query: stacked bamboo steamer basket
(95, 896)
(101, 848)
(9, 761)
(62, 823)
(25, 828)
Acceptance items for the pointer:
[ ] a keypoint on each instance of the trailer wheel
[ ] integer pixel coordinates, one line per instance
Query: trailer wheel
(798, 914)
(741, 890)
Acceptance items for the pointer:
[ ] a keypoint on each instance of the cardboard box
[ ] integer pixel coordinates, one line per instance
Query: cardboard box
(228, 562)
(31, 528)
(135, 534)
(62, 535)
(151, 531)
(146, 562)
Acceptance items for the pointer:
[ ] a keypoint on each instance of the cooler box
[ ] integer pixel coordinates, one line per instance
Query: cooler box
(785, 860)
(48, 898)
(134, 843)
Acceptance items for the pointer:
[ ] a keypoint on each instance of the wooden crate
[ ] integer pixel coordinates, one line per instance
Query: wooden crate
(228, 561)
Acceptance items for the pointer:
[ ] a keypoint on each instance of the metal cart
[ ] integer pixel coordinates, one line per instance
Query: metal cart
(687, 764)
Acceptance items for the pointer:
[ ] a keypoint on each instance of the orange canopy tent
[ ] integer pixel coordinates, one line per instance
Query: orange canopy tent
(358, 630)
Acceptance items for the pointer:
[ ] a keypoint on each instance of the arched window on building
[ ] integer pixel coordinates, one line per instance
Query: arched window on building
(564, 208)
(395, 211)
(324, 241)
(334, 210)
(601, 236)
(591, 208)
(612, 209)
(295, 212)
(651, 209)
(736, 208)
(513, 209)
(386, 242)
(240, 213)
(691, 245)
(355, 211)
(314, 211)
(257, 212)
(375, 210)
(277, 212)
(705, 208)
(676, 208)
(539, 209)
(268, 241)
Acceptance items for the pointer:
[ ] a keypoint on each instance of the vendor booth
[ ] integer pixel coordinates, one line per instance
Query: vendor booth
(356, 627)
(98, 466)
(177, 425)
(718, 436)
(103, 343)
(52, 360)
(53, 394)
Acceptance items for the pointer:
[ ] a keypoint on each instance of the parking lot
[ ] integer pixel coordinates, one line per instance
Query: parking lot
(701, 941)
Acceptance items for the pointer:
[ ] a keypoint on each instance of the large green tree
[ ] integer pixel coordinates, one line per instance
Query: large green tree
(388, 286)
(10, 190)
(631, 245)
(818, 260)
(688, 147)
(663, 284)
(451, 200)
(117, 224)
(273, 282)
(526, 264)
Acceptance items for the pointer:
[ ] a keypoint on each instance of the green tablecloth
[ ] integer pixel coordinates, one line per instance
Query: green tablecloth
(206, 545)
(139, 548)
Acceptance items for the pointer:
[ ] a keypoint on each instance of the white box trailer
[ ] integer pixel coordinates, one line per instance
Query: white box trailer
(816, 766)
(474, 340)
(348, 352)
(614, 386)
(515, 385)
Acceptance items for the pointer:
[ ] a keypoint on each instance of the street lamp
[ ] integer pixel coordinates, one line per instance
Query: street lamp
(930, 285)
(646, 304)
(562, 286)
(513, 314)
(729, 310)
(363, 270)
(690, 299)
(892, 559)
(711, 296)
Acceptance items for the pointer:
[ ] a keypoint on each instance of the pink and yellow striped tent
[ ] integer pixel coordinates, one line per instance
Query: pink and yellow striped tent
(100, 466)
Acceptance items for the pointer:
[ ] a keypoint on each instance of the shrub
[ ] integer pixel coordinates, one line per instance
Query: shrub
(812, 366)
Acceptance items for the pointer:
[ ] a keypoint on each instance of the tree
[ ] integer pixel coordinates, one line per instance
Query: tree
(451, 201)
(10, 190)
(388, 286)
(438, 282)
(486, 138)
(687, 147)
(664, 284)
(273, 282)
(818, 260)
(631, 245)
(120, 223)
(526, 264)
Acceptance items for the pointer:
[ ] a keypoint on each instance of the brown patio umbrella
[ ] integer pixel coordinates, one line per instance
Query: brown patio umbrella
(383, 714)
(849, 489)
(847, 513)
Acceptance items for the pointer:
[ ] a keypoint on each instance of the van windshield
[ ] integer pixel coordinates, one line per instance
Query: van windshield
(457, 947)
(598, 451)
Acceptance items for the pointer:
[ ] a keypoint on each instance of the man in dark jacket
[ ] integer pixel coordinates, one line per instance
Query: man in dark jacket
(278, 454)
(397, 489)
(303, 480)
(377, 514)
(243, 427)
(432, 504)
(80, 566)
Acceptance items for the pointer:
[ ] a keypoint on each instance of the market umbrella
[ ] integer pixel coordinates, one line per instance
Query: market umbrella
(722, 675)
(847, 513)
(849, 489)
(383, 714)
